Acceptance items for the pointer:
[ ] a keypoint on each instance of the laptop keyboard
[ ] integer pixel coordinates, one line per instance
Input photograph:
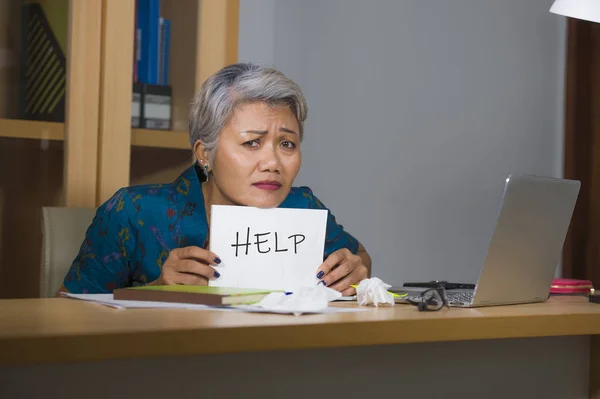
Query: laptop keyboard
(453, 297)
(459, 296)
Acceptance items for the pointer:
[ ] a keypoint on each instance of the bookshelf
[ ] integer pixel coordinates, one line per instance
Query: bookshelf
(46, 160)
(204, 36)
(82, 159)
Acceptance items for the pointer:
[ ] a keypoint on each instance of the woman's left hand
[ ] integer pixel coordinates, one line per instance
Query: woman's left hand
(341, 269)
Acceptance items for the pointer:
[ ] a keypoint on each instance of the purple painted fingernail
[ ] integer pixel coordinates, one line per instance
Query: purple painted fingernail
(320, 274)
(322, 281)
(217, 261)
(217, 274)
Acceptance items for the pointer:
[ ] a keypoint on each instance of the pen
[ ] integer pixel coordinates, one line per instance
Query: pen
(437, 283)
(393, 293)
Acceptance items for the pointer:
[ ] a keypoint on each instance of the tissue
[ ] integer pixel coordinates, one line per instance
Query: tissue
(307, 300)
(373, 291)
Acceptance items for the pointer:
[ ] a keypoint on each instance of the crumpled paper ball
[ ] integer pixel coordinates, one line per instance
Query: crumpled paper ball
(373, 291)
(307, 300)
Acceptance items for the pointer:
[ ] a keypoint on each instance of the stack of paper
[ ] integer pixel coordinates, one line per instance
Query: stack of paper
(108, 300)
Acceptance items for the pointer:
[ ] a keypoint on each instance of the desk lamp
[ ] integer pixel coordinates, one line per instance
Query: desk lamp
(588, 10)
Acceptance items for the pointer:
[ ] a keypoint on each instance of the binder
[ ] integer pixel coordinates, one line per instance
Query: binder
(137, 110)
(148, 19)
(156, 107)
(136, 45)
(163, 51)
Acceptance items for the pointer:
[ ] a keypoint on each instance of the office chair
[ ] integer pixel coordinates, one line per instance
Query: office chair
(63, 231)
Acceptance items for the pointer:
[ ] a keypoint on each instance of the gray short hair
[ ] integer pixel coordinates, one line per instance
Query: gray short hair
(238, 84)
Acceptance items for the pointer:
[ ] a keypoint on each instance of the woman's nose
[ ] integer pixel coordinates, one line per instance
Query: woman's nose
(269, 161)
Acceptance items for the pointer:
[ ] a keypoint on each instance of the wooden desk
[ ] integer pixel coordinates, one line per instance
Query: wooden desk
(41, 331)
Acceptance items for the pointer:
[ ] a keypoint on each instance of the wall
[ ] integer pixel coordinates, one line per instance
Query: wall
(418, 110)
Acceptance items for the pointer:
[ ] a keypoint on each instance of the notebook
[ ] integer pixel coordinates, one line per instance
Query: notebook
(571, 286)
(196, 294)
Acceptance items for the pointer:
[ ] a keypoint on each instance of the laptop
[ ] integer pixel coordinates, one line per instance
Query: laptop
(525, 247)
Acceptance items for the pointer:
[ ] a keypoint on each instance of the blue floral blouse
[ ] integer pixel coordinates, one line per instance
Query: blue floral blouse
(132, 233)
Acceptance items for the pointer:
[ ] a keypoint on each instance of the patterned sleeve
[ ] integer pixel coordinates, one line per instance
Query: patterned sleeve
(335, 237)
(102, 264)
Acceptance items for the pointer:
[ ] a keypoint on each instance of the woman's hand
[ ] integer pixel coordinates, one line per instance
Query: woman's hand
(341, 269)
(188, 266)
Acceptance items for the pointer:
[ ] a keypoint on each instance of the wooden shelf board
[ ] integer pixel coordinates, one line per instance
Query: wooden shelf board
(160, 139)
(24, 129)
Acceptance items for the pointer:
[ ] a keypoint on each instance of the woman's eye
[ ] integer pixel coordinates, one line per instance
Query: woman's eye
(251, 143)
(288, 144)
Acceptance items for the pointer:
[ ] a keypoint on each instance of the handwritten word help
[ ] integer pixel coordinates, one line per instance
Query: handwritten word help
(264, 242)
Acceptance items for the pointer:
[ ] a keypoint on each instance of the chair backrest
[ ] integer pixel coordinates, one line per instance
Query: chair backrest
(63, 231)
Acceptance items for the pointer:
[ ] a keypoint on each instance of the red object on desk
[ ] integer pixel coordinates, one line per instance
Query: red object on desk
(571, 286)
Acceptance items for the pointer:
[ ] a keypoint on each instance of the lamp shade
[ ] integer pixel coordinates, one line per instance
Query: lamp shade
(588, 10)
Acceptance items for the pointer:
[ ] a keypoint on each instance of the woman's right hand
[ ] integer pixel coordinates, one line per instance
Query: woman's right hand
(188, 266)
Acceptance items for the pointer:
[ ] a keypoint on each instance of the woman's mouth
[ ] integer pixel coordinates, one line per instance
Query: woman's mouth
(267, 185)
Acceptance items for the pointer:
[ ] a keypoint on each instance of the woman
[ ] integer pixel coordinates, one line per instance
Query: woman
(246, 126)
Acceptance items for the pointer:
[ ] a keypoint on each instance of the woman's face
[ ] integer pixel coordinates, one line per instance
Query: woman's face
(258, 156)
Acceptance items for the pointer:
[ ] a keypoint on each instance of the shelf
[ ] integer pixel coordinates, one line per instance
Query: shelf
(24, 129)
(160, 139)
